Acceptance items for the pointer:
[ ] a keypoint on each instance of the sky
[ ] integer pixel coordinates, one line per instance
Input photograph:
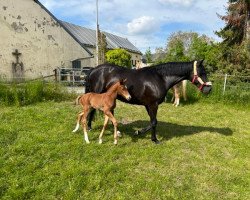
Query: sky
(145, 23)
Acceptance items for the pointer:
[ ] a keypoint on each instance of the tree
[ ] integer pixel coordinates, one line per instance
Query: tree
(188, 46)
(102, 47)
(119, 57)
(237, 22)
(235, 47)
(148, 55)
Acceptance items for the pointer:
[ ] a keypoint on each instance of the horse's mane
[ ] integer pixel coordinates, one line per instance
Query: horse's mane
(172, 68)
(164, 69)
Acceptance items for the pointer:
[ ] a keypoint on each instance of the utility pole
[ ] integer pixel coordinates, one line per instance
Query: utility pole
(97, 34)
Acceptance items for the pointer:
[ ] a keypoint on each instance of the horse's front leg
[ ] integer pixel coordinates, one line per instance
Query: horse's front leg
(146, 129)
(152, 111)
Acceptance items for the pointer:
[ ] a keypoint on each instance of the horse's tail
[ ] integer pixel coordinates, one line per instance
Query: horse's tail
(87, 83)
(77, 100)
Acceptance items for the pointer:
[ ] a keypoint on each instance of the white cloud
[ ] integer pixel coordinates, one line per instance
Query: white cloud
(142, 25)
(177, 2)
(145, 23)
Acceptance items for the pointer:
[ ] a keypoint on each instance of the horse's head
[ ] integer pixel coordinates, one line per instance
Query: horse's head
(123, 90)
(199, 77)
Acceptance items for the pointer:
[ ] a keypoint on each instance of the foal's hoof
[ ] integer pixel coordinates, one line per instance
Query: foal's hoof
(119, 134)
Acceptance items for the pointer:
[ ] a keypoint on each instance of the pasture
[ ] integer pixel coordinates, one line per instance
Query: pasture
(204, 153)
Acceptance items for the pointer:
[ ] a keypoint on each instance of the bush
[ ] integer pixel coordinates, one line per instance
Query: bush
(32, 92)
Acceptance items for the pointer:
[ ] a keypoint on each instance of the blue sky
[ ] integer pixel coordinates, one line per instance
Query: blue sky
(146, 23)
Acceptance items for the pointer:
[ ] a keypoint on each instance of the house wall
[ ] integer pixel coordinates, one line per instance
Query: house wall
(44, 45)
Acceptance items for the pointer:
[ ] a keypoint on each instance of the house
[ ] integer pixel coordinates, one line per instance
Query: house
(87, 38)
(34, 42)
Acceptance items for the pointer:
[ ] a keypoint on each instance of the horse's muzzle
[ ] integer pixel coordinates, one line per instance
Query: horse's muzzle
(206, 89)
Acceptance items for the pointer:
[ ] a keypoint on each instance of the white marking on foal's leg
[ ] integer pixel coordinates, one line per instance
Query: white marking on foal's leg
(76, 128)
(119, 134)
(86, 138)
(100, 141)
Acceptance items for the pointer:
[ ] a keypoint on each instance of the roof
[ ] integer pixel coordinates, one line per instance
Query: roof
(87, 37)
(43, 7)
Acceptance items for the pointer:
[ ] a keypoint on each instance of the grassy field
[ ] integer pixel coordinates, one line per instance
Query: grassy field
(204, 154)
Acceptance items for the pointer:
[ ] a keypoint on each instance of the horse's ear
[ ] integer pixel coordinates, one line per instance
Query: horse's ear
(200, 62)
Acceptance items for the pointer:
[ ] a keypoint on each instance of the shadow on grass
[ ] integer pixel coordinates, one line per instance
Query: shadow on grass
(169, 130)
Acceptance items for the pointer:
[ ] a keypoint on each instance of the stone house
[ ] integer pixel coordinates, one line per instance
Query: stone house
(34, 42)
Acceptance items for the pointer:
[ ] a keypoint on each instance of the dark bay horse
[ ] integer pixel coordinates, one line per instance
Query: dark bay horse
(148, 86)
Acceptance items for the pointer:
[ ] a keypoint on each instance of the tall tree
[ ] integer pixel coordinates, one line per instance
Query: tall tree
(235, 47)
(237, 22)
(148, 55)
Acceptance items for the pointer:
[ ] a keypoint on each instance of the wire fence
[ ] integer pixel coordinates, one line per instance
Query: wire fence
(76, 77)
(228, 83)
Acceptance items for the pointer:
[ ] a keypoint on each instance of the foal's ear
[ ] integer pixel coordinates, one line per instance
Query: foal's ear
(123, 81)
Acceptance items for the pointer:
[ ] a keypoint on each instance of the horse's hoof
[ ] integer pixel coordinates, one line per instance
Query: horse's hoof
(100, 141)
(156, 141)
(137, 132)
(115, 142)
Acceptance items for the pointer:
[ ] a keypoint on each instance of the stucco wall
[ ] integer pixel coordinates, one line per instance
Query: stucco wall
(44, 44)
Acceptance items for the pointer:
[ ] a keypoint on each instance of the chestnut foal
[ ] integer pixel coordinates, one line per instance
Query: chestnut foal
(105, 102)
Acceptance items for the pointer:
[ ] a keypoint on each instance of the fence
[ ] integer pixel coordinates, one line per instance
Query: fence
(231, 82)
(72, 76)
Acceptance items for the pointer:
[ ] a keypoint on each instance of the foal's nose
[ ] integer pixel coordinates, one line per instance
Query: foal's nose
(128, 97)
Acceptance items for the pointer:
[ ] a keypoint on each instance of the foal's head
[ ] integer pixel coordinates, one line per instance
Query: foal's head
(122, 89)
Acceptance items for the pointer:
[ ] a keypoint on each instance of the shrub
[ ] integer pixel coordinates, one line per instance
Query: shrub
(32, 92)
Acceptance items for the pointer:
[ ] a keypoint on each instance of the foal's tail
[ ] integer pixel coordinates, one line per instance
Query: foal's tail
(77, 100)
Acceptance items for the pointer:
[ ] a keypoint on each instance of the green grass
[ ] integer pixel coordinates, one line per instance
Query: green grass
(204, 154)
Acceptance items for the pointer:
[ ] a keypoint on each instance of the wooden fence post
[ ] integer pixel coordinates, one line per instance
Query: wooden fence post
(225, 82)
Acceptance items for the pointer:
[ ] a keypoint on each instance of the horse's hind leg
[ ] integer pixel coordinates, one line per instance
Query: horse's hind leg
(103, 129)
(90, 118)
(78, 121)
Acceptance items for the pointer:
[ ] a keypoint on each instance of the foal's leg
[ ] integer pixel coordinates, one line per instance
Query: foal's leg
(118, 132)
(111, 117)
(103, 129)
(84, 124)
(78, 121)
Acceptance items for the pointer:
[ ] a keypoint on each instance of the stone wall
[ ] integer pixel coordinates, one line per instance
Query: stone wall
(44, 45)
